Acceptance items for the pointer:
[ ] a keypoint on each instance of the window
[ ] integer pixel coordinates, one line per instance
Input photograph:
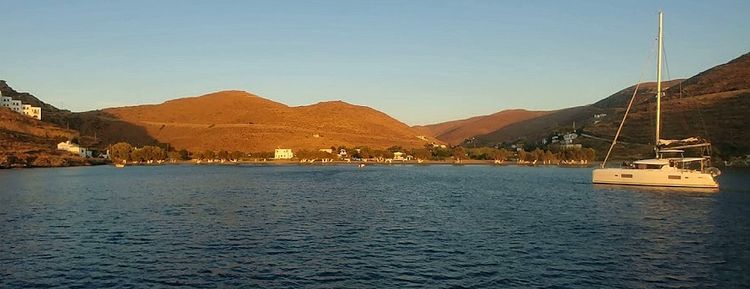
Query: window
(628, 176)
(674, 177)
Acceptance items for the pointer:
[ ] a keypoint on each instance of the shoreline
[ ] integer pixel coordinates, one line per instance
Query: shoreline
(366, 164)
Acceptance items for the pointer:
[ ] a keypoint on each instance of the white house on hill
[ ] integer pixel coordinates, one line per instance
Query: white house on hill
(17, 106)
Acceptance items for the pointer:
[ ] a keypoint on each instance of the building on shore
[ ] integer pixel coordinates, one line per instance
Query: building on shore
(330, 151)
(19, 107)
(399, 156)
(75, 149)
(283, 154)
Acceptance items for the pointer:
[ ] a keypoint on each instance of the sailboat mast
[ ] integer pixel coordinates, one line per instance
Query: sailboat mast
(658, 84)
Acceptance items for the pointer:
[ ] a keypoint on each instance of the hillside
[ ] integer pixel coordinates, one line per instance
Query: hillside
(455, 132)
(27, 142)
(712, 104)
(50, 113)
(534, 129)
(731, 76)
(237, 120)
(646, 93)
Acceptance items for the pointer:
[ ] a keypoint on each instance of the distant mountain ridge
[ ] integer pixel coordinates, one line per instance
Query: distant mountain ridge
(238, 120)
(714, 103)
(455, 132)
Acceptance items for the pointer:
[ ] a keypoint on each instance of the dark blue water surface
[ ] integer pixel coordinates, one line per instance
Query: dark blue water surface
(386, 227)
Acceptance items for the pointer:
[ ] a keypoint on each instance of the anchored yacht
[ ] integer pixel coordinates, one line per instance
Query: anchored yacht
(669, 168)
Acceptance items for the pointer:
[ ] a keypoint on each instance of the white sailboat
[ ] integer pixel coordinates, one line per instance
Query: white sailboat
(669, 168)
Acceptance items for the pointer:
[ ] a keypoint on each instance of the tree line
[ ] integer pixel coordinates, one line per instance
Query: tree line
(125, 151)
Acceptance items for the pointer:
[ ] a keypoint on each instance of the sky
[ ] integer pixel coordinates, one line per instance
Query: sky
(419, 61)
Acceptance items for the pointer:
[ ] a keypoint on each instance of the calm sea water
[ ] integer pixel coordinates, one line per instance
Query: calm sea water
(385, 227)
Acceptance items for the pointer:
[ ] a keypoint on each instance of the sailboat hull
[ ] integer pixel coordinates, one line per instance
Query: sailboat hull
(654, 178)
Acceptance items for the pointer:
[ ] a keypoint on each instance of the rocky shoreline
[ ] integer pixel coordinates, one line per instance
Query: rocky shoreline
(44, 160)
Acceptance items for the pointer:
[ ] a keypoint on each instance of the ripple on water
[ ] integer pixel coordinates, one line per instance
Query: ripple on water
(387, 227)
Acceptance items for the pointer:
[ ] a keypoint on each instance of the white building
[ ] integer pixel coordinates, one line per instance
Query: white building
(568, 138)
(283, 154)
(32, 111)
(17, 106)
(400, 156)
(74, 148)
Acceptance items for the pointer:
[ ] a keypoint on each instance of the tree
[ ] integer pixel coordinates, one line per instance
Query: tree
(421, 154)
(502, 154)
(137, 155)
(439, 153)
(152, 153)
(537, 155)
(589, 154)
(120, 151)
(174, 156)
(522, 155)
(184, 155)
(209, 155)
(458, 152)
(549, 157)
(223, 155)
(237, 155)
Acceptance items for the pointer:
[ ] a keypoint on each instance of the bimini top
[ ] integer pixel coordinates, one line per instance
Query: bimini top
(659, 162)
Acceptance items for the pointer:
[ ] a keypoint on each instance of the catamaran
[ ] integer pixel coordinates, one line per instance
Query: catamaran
(669, 167)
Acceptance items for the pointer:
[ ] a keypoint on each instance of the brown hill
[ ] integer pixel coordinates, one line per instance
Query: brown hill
(27, 142)
(236, 120)
(712, 104)
(721, 118)
(535, 129)
(50, 113)
(646, 93)
(455, 132)
(731, 76)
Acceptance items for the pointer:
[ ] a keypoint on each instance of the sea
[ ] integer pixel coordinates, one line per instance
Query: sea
(339, 226)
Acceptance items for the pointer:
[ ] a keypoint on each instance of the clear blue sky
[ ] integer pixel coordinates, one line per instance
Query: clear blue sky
(419, 61)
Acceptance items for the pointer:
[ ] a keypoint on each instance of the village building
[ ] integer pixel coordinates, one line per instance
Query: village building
(32, 111)
(75, 149)
(283, 154)
(330, 151)
(568, 138)
(400, 156)
(19, 107)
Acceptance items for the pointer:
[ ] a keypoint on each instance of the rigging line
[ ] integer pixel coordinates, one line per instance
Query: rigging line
(666, 60)
(685, 124)
(697, 102)
(630, 104)
(614, 141)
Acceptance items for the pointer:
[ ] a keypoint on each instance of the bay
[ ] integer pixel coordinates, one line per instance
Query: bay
(376, 227)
